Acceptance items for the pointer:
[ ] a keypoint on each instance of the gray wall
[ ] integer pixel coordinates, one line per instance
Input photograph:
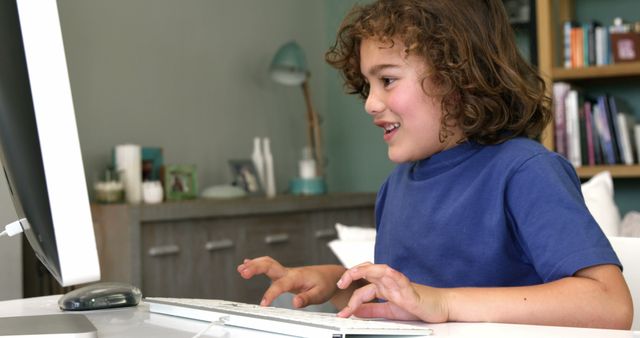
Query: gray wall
(358, 155)
(191, 77)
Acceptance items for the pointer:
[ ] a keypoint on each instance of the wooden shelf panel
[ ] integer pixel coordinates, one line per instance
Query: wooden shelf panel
(630, 69)
(617, 171)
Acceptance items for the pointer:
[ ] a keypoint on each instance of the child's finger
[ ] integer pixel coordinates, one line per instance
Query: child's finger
(303, 299)
(366, 271)
(359, 296)
(262, 265)
(276, 288)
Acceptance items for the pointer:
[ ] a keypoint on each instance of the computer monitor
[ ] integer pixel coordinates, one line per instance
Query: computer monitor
(39, 143)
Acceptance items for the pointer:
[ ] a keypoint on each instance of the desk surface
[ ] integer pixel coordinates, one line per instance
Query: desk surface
(138, 322)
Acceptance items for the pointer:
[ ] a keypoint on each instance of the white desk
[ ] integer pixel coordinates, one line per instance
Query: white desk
(138, 322)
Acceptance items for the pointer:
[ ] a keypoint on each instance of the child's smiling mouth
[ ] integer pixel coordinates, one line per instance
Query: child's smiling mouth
(390, 130)
(390, 127)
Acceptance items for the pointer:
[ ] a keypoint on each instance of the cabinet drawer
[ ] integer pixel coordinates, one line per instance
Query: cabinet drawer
(167, 260)
(189, 259)
(282, 238)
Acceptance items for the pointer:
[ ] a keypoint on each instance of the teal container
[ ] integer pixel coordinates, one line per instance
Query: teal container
(307, 186)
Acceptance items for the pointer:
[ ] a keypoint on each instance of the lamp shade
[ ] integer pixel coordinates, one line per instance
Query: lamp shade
(289, 66)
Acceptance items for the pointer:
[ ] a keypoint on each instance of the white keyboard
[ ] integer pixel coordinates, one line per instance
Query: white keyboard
(278, 320)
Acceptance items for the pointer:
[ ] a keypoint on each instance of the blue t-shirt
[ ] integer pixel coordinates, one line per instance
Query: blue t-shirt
(487, 215)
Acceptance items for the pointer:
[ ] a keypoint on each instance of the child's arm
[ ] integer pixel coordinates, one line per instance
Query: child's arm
(596, 296)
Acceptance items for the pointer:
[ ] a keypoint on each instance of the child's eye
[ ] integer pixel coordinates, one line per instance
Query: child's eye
(387, 81)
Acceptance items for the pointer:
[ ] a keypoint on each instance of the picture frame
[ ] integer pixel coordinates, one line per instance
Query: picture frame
(625, 47)
(180, 182)
(244, 175)
(152, 162)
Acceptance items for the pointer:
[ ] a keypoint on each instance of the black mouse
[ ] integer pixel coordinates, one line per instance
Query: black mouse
(101, 295)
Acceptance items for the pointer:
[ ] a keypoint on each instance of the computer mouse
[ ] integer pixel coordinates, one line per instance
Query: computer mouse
(103, 295)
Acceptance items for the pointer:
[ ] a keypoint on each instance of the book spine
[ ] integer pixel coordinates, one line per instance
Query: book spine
(607, 46)
(566, 30)
(597, 146)
(560, 90)
(601, 45)
(623, 138)
(600, 117)
(576, 47)
(592, 50)
(636, 132)
(612, 116)
(588, 128)
(585, 45)
(583, 143)
(573, 128)
(579, 47)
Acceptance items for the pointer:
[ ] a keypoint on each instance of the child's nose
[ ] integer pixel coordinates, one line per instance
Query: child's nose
(373, 105)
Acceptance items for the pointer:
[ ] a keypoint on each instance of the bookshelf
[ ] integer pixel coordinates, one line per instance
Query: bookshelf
(549, 17)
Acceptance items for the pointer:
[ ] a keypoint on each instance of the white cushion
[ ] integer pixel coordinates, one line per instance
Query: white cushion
(598, 195)
(354, 245)
(628, 251)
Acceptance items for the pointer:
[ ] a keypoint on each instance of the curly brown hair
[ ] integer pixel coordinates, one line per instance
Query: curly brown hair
(487, 88)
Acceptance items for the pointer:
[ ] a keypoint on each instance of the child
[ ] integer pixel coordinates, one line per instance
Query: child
(477, 222)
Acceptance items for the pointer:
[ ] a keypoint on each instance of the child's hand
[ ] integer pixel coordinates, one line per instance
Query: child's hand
(403, 300)
(311, 285)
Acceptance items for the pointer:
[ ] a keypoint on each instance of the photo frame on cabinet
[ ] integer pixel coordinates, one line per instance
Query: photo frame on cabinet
(180, 182)
(152, 162)
(244, 175)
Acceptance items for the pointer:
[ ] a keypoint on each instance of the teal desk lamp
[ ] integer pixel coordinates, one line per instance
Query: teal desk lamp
(289, 67)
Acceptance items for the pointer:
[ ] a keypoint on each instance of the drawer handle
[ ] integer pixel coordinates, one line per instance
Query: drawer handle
(219, 244)
(325, 233)
(164, 250)
(276, 238)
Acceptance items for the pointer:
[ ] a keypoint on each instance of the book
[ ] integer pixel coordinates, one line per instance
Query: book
(612, 116)
(604, 133)
(597, 146)
(636, 132)
(559, 93)
(582, 142)
(573, 107)
(590, 38)
(590, 158)
(602, 45)
(625, 132)
(567, 38)
(577, 47)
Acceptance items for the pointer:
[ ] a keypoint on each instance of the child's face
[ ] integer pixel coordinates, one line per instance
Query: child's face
(410, 118)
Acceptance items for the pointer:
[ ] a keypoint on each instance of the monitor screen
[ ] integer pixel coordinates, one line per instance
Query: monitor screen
(39, 144)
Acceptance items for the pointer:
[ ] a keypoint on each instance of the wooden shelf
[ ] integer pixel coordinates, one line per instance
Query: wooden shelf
(548, 14)
(617, 171)
(630, 69)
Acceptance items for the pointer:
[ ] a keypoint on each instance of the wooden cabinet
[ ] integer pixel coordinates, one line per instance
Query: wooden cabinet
(550, 16)
(192, 248)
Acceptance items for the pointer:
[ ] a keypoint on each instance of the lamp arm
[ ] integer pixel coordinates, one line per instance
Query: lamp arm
(313, 127)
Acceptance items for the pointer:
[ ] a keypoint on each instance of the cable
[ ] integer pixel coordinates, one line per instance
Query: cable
(12, 229)
(219, 322)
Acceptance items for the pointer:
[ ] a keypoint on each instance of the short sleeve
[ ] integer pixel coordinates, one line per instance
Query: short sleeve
(551, 221)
